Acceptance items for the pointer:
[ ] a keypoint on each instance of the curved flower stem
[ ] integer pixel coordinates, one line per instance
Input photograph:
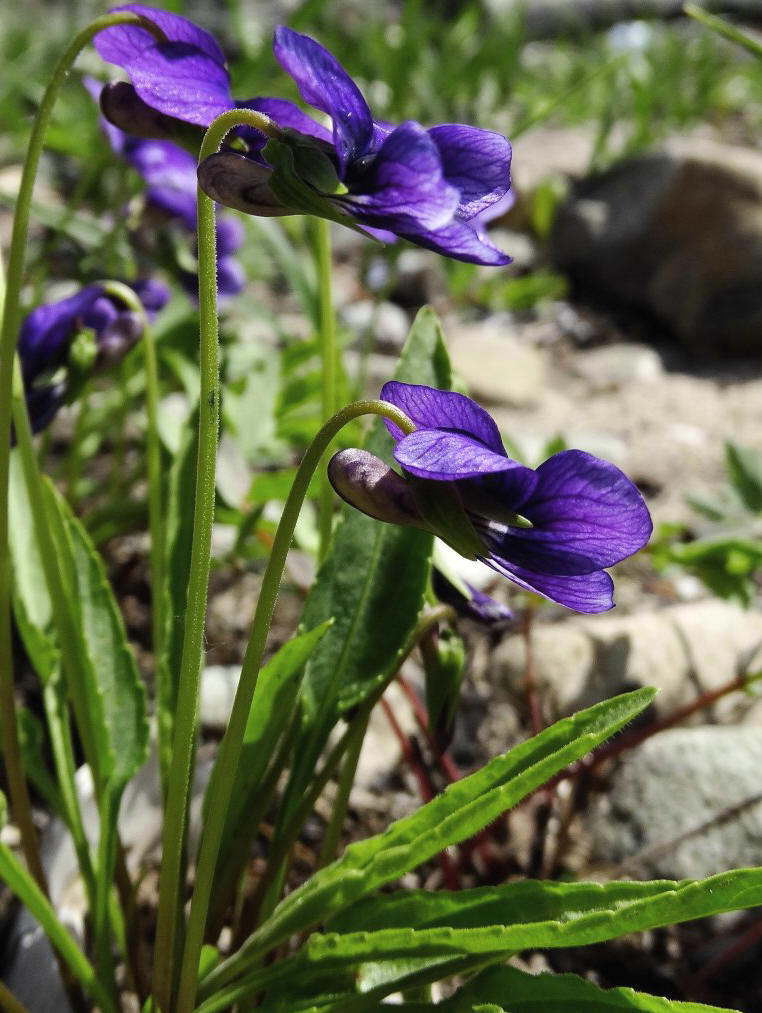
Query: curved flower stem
(8, 337)
(221, 782)
(329, 364)
(168, 933)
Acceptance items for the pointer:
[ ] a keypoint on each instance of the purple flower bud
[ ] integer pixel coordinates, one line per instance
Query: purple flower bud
(169, 173)
(372, 487)
(475, 605)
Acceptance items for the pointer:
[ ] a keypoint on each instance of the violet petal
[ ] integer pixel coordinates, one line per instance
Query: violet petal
(461, 241)
(324, 84)
(403, 189)
(447, 456)
(587, 506)
(589, 592)
(184, 77)
(121, 43)
(45, 331)
(477, 162)
(288, 116)
(430, 408)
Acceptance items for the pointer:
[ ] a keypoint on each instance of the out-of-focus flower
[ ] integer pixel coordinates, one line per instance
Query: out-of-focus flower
(52, 360)
(433, 187)
(550, 530)
(169, 173)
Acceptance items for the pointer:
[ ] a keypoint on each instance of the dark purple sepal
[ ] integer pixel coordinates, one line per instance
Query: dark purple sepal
(238, 182)
(116, 339)
(122, 107)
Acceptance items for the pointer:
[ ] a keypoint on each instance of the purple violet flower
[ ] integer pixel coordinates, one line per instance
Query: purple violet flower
(551, 530)
(169, 173)
(433, 187)
(48, 334)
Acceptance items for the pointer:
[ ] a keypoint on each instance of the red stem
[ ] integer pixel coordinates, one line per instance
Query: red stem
(424, 787)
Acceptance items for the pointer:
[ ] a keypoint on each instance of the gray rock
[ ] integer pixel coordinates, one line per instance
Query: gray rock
(387, 323)
(495, 365)
(218, 687)
(683, 650)
(677, 233)
(615, 366)
(717, 825)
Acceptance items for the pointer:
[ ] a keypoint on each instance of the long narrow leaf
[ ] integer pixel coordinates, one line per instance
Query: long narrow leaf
(677, 902)
(462, 810)
(510, 989)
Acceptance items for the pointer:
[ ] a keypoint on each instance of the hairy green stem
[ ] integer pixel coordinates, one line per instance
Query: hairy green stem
(169, 929)
(221, 782)
(328, 355)
(11, 317)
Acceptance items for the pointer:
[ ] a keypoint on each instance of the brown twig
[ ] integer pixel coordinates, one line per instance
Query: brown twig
(744, 942)
(530, 687)
(413, 759)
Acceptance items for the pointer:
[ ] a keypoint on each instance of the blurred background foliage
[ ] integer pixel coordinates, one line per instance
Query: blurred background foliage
(469, 61)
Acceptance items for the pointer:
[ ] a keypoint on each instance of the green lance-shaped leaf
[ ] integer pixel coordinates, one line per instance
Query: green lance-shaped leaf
(510, 989)
(372, 584)
(112, 698)
(111, 669)
(574, 915)
(31, 603)
(744, 468)
(459, 812)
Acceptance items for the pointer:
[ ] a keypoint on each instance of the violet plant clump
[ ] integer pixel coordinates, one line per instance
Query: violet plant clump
(333, 940)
